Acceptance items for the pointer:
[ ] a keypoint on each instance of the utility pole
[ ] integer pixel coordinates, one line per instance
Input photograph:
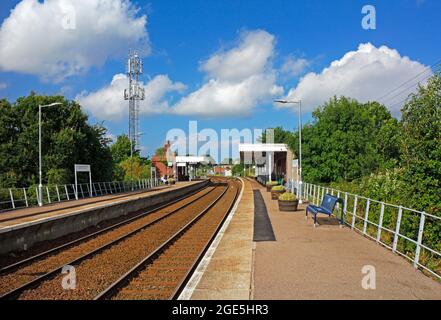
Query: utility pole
(299, 176)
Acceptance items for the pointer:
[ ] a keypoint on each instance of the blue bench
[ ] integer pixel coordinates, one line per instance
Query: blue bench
(327, 207)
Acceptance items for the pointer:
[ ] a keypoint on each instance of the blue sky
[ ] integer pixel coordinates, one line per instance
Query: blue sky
(301, 39)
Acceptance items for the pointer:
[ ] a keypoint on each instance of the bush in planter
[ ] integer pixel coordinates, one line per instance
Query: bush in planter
(270, 185)
(276, 191)
(288, 202)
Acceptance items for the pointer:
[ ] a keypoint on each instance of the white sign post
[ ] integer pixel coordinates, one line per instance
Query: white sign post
(82, 168)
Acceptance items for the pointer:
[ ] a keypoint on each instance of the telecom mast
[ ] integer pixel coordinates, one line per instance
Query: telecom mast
(134, 94)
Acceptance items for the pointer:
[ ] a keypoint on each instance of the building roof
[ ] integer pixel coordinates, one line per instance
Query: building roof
(192, 159)
(263, 147)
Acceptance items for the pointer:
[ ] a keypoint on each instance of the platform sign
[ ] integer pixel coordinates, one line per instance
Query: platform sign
(295, 163)
(82, 168)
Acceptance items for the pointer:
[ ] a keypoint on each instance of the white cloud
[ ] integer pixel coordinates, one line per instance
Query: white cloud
(3, 85)
(108, 102)
(293, 66)
(238, 79)
(55, 39)
(365, 74)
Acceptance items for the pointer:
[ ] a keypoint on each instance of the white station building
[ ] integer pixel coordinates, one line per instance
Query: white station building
(273, 161)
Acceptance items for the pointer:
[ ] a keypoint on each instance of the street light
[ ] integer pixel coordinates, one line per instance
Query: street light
(299, 177)
(40, 186)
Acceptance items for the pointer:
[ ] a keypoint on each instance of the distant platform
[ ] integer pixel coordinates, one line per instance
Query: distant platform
(21, 229)
(27, 216)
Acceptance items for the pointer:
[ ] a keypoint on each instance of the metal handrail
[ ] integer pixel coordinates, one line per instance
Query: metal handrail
(360, 219)
(19, 198)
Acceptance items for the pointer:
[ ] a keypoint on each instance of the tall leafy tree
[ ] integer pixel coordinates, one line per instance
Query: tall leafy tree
(347, 140)
(421, 147)
(67, 139)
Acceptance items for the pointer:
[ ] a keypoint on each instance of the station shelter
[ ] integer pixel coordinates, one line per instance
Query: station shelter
(272, 161)
(186, 166)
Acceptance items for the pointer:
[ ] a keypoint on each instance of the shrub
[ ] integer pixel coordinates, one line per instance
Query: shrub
(278, 188)
(287, 196)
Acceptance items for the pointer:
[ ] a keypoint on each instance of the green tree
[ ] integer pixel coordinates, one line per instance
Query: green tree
(120, 149)
(346, 141)
(67, 139)
(135, 168)
(421, 147)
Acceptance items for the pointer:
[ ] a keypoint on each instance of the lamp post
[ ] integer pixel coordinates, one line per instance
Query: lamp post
(40, 185)
(299, 177)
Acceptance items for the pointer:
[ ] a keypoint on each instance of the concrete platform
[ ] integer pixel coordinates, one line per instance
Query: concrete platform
(226, 270)
(20, 229)
(326, 262)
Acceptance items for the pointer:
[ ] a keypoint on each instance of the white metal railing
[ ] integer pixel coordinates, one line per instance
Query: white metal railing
(17, 198)
(383, 223)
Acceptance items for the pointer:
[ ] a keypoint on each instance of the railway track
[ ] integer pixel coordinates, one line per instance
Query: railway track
(164, 273)
(177, 203)
(102, 257)
(27, 272)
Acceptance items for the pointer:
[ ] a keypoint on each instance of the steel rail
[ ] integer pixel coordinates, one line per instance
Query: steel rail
(108, 292)
(186, 278)
(20, 263)
(17, 291)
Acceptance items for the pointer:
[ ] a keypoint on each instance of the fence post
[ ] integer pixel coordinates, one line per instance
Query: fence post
(420, 240)
(75, 189)
(380, 223)
(397, 228)
(67, 193)
(12, 198)
(345, 207)
(366, 215)
(338, 196)
(58, 193)
(48, 195)
(110, 188)
(38, 196)
(26, 197)
(82, 192)
(354, 212)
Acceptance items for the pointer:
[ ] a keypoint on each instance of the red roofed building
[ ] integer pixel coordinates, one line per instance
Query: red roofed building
(161, 163)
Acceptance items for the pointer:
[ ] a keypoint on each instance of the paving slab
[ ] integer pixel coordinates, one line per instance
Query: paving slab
(226, 272)
(326, 263)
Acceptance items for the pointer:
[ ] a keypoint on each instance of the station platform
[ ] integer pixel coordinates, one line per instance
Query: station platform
(326, 262)
(29, 215)
(266, 254)
(20, 229)
(225, 272)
